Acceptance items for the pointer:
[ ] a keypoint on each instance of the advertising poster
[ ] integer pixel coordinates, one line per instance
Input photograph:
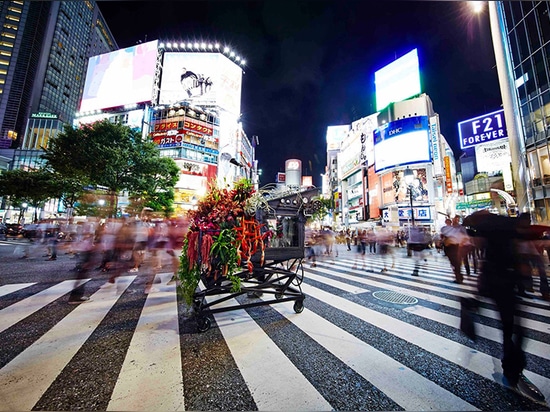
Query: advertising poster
(195, 176)
(388, 196)
(374, 193)
(202, 79)
(121, 77)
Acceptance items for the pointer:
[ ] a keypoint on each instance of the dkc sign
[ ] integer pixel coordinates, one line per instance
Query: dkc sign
(482, 129)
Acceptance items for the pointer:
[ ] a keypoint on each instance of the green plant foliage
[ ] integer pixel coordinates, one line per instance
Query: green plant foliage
(224, 249)
(189, 275)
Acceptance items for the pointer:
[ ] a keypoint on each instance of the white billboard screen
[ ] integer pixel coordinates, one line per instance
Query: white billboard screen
(402, 142)
(335, 136)
(201, 79)
(121, 77)
(398, 80)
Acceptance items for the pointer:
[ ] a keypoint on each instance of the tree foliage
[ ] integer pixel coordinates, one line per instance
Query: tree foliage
(115, 157)
(33, 187)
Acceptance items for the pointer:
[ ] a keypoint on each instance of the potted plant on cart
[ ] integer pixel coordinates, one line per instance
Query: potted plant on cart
(222, 235)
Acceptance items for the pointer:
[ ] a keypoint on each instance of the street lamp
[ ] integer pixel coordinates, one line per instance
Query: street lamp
(409, 179)
(22, 211)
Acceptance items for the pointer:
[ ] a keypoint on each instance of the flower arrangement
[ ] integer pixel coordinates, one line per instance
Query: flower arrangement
(223, 233)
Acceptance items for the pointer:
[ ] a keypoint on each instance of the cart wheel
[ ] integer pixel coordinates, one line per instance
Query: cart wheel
(203, 324)
(299, 306)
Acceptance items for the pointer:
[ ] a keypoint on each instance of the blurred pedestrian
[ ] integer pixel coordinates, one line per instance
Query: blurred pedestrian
(141, 237)
(385, 240)
(361, 249)
(454, 237)
(348, 238)
(418, 242)
(371, 240)
(499, 276)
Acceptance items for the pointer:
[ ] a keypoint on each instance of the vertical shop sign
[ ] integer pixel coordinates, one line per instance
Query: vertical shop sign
(448, 179)
(434, 143)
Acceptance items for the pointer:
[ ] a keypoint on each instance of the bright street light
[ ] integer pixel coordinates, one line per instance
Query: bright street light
(476, 6)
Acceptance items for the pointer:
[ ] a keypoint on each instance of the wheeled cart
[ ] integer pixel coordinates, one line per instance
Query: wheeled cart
(277, 271)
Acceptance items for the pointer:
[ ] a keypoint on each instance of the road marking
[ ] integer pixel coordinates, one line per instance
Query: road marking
(27, 377)
(404, 386)
(151, 376)
(12, 314)
(14, 287)
(478, 362)
(257, 355)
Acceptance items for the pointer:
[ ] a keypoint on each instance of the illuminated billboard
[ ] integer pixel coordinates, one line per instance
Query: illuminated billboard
(335, 136)
(201, 79)
(402, 142)
(482, 129)
(119, 78)
(398, 80)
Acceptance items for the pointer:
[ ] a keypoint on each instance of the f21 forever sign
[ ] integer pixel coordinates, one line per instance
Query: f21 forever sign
(482, 129)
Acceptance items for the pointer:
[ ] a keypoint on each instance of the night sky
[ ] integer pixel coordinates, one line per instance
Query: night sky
(310, 64)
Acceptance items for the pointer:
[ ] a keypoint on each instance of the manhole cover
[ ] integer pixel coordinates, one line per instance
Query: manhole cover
(394, 297)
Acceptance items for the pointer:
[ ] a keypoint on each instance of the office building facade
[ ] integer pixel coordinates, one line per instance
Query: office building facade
(44, 51)
(527, 31)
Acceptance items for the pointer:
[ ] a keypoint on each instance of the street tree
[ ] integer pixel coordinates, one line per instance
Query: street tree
(34, 187)
(111, 156)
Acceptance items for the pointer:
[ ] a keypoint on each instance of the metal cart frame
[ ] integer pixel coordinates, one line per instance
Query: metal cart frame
(280, 275)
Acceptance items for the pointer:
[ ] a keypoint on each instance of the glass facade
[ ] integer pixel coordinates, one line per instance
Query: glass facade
(528, 33)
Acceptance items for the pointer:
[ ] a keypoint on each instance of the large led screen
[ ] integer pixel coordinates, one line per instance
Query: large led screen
(398, 80)
(201, 79)
(121, 77)
(402, 142)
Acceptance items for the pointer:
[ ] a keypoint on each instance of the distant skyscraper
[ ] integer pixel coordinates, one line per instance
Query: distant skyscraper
(44, 51)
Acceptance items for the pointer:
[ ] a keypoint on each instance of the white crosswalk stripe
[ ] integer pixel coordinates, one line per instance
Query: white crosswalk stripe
(151, 374)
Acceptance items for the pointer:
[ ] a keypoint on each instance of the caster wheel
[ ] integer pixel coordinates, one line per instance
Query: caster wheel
(299, 306)
(203, 324)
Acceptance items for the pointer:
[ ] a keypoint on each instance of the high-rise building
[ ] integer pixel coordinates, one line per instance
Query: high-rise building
(526, 29)
(44, 51)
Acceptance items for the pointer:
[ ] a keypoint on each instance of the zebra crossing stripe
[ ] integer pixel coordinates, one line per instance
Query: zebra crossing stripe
(151, 376)
(530, 345)
(25, 379)
(14, 287)
(18, 311)
(488, 313)
(340, 285)
(255, 353)
(478, 362)
(404, 386)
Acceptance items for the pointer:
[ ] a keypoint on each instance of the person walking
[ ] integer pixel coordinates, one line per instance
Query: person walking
(361, 249)
(498, 278)
(453, 237)
(385, 240)
(418, 243)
